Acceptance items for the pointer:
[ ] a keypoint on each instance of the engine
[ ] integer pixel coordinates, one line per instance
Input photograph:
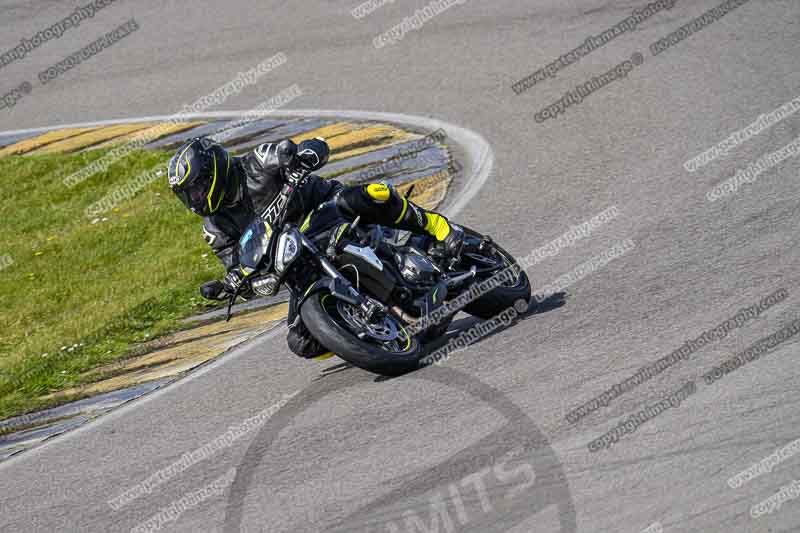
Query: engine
(416, 268)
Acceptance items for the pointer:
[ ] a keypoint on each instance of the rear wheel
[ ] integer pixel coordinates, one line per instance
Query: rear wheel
(383, 347)
(494, 259)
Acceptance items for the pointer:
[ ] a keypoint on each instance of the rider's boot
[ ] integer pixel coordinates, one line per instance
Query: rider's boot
(449, 237)
(450, 247)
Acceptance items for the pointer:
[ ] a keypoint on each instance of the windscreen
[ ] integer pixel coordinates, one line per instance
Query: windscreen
(254, 244)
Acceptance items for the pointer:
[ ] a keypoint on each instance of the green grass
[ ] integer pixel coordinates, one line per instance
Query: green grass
(105, 287)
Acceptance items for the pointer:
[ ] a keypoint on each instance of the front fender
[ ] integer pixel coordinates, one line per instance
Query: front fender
(338, 288)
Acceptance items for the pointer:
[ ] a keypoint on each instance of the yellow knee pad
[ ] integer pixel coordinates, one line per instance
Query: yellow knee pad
(379, 192)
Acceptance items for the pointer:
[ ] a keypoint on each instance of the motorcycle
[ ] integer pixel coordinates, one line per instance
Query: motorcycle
(367, 293)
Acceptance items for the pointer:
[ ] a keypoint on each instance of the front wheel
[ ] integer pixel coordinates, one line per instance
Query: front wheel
(384, 347)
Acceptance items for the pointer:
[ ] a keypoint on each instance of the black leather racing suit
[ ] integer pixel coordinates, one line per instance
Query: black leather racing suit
(258, 179)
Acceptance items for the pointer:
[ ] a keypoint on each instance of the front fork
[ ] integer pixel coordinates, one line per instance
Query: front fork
(339, 286)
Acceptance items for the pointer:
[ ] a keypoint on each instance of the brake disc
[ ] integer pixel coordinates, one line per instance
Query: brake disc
(384, 329)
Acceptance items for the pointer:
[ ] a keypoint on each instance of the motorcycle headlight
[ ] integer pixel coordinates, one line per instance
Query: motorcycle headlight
(288, 250)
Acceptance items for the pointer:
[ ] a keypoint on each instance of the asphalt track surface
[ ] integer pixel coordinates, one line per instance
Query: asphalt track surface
(480, 443)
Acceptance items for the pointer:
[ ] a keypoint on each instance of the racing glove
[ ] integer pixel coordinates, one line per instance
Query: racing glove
(233, 280)
(312, 154)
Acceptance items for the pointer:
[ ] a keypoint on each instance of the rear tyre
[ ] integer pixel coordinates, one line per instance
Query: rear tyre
(323, 319)
(504, 296)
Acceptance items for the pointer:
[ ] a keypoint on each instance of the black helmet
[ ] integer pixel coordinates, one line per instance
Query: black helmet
(200, 174)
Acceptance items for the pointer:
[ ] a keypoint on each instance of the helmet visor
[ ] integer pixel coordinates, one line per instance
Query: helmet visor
(195, 196)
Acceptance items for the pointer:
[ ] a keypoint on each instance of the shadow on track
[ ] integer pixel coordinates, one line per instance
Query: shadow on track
(519, 442)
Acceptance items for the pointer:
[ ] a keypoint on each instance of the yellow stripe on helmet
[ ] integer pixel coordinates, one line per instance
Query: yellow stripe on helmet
(188, 165)
(211, 191)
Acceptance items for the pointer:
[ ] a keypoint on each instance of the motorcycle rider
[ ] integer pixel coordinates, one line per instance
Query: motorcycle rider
(229, 191)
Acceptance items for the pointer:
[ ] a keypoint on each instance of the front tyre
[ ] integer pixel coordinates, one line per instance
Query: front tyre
(331, 322)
